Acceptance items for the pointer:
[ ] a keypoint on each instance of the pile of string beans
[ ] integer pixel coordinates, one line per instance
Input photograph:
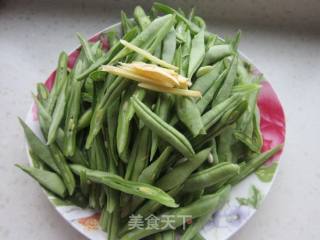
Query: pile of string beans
(119, 148)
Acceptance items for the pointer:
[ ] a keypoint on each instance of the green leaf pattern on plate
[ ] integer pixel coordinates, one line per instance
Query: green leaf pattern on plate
(254, 199)
(265, 173)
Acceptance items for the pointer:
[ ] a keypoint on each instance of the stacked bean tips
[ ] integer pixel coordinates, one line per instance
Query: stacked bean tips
(162, 122)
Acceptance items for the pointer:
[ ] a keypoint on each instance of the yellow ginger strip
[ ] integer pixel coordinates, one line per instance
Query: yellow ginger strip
(156, 72)
(132, 76)
(176, 91)
(147, 55)
(153, 72)
(157, 81)
(183, 80)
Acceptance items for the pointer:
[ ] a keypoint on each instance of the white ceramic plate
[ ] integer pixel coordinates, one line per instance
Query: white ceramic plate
(245, 197)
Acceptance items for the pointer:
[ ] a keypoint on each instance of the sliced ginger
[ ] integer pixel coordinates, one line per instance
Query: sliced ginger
(163, 78)
(153, 77)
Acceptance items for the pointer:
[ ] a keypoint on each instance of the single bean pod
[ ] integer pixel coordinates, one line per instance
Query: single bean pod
(197, 53)
(257, 135)
(169, 46)
(126, 114)
(208, 96)
(60, 79)
(203, 71)
(141, 18)
(181, 172)
(112, 121)
(226, 88)
(114, 181)
(72, 115)
(104, 218)
(225, 145)
(247, 140)
(142, 154)
(113, 199)
(190, 115)
(84, 183)
(43, 92)
(204, 82)
(200, 222)
(113, 224)
(86, 47)
(216, 53)
(228, 118)
(213, 115)
(199, 21)
(254, 164)
(236, 40)
(245, 88)
(243, 72)
(43, 115)
(126, 24)
(185, 53)
(151, 173)
(84, 120)
(63, 167)
(132, 157)
(211, 40)
(180, 30)
(191, 13)
(112, 36)
(151, 207)
(58, 114)
(162, 129)
(214, 153)
(157, 52)
(163, 106)
(210, 176)
(49, 180)
(36, 161)
(38, 147)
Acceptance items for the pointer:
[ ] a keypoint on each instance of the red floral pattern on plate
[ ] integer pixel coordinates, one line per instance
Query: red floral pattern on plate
(91, 222)
(272, 120)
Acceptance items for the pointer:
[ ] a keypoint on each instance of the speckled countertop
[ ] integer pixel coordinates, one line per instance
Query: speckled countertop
(281, 37)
